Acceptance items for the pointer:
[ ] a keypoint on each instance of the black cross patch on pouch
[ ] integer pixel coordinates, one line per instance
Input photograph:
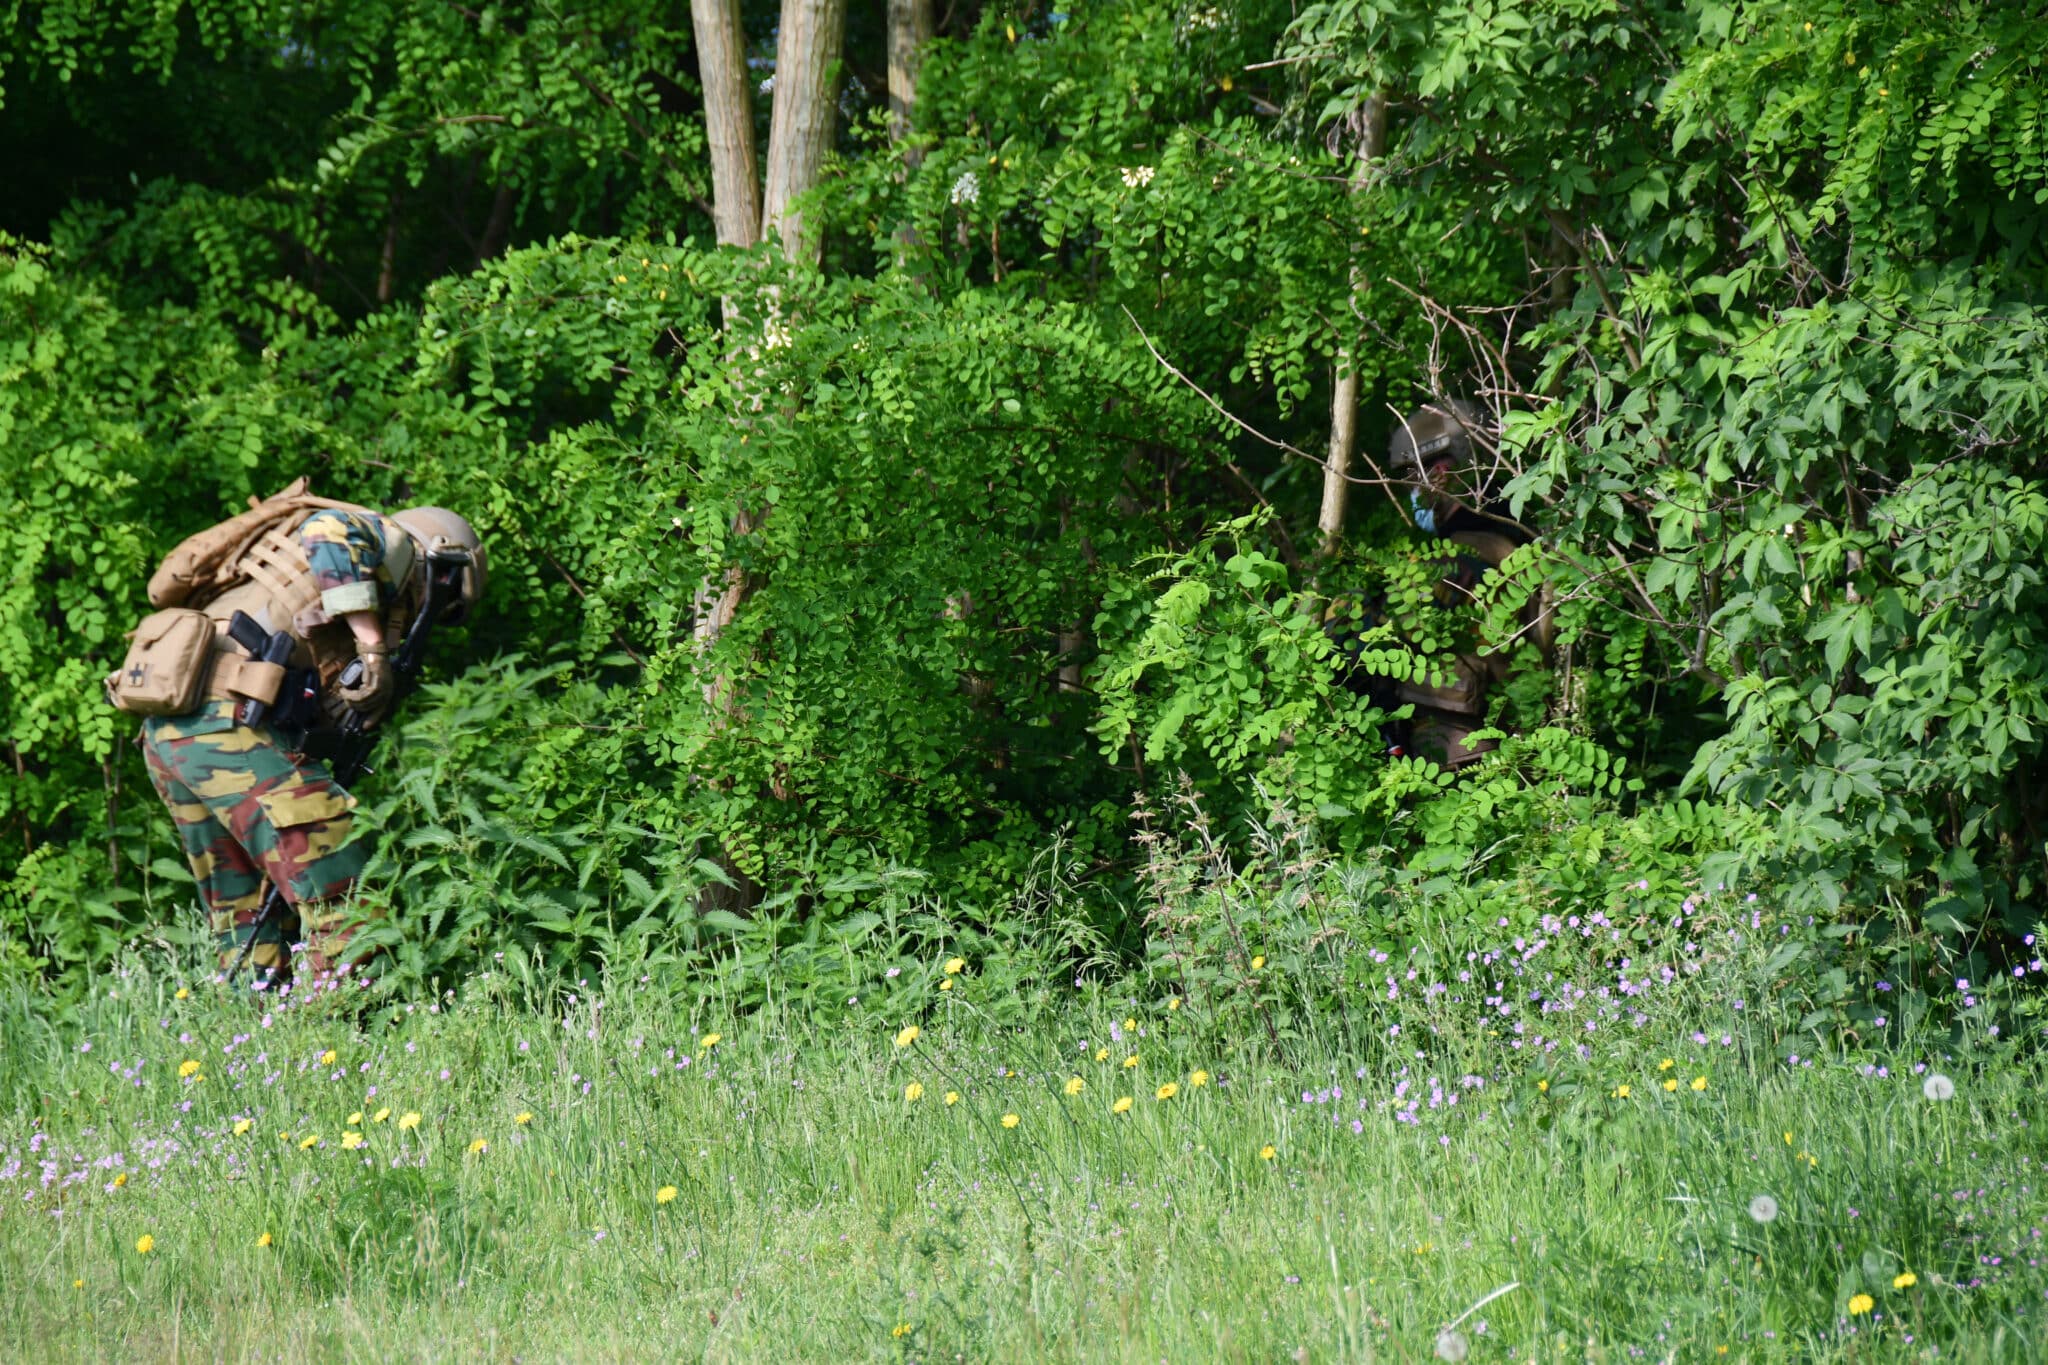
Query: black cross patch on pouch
(137, 674)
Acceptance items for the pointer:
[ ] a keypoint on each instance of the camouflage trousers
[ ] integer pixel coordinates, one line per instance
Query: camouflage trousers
(247, 810)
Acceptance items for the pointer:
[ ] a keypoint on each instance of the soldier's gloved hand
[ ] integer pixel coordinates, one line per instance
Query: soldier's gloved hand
(377, 681)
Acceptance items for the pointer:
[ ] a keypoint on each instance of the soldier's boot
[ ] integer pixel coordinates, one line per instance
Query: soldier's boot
(270, 958)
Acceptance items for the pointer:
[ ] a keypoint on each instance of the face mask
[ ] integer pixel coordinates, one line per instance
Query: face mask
(1425, 519)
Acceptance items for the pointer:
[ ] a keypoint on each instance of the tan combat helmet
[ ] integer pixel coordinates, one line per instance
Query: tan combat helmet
(440, 534)
(1433, 447)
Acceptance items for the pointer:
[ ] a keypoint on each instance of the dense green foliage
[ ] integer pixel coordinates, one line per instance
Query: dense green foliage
(1015, 487)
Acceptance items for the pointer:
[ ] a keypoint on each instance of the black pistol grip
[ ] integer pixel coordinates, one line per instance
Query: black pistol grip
(244, 631)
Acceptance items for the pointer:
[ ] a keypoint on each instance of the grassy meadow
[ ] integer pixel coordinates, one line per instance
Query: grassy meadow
(1539, 1151)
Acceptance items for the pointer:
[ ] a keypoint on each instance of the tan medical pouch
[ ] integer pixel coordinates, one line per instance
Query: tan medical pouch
(169, 656)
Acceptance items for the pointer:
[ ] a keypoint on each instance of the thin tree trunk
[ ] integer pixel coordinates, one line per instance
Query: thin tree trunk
(1344, 394)
(387, 260)
(910, 29)
(495, 226)
(728, 120)
(801, 126)
(112, 774)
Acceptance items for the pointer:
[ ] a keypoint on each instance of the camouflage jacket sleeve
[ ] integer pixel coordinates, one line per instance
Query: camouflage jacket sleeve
(345, 549)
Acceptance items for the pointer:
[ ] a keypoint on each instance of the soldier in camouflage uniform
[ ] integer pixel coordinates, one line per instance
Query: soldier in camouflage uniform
(250, 804)
(1433, 449)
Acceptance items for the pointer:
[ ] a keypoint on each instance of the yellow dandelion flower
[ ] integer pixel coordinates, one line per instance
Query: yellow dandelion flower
(1621, 1092)
(381, 1115)
(265, 1240)
(709, 1041)
(1810, 1159)
(1666, 1064)
(1543, 1087)
(1122, 1105)
(952, 1097)
(665, 1194)
(121, 1180)
(182, 994)
(187, 1068)
(145, 1244)
(327, 1057)
(1130, 1061)
(309, 1140)
(409, 1121)
(1074, 1084)
(1173, 1002)
(1699, 1082)
(523, 1117)
(1167, 1091)
(351, 1140)
(947, 984)
(477, 1145)
(1102, 1054)
(1197, 1080)
(908, 1035)
(284, 1137)
(355, 1118)
(78, 1284)
(1860, 1303)
(1788, 1139)
(242, 1126)
(1268, 1152)
(901, 1329)
(1130, 1024)
(1010, 1120)
(1671, 1084)
(914, 1091)
(1905, 1279)
(955, 966)
(1259, 962)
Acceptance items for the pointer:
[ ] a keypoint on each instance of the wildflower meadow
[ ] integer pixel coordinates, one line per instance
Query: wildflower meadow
(1544, 1146)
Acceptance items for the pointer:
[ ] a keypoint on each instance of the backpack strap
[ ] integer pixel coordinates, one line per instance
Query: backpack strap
(277, 563)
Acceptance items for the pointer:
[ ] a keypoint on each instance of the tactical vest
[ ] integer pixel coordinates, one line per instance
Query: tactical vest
(1473, 674)
(254, 563)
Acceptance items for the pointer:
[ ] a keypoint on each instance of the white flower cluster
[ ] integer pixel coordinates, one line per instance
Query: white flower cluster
(1137, 177)
(967, 189)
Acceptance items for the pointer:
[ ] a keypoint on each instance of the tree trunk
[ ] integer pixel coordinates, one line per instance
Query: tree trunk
(1344, 394)
(910, 28)
(800, 128)
(728, 120)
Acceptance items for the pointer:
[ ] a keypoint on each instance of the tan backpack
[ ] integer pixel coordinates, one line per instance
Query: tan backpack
(211, 561)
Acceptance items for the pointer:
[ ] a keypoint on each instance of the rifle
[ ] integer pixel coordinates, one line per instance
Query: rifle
(356, 741)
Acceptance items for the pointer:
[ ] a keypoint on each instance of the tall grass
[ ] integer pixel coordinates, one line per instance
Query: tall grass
(645, 1170)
